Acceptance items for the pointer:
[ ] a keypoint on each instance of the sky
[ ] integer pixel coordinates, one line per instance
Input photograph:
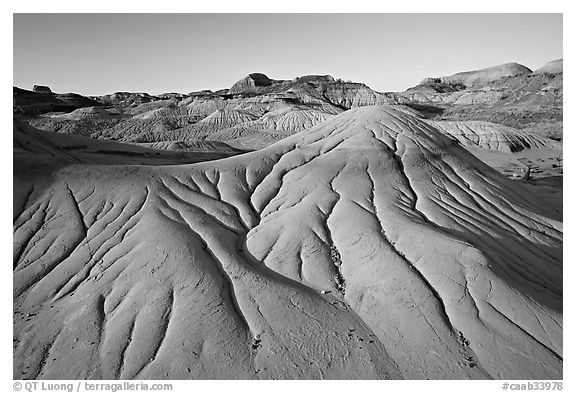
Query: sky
(96, 54)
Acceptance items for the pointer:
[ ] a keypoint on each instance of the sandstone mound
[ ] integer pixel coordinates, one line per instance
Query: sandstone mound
(199, 146)
(43, 150)
(370, 246)
(141, 109)
(490, 136)
(142, 130)
(163, 111)
(292, 119)
(89, 112)
(283, 120)
(222, 118)
(250, 82)
(552, 67)
(205, 106)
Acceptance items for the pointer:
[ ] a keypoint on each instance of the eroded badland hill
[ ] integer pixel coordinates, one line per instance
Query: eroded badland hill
(292, 229)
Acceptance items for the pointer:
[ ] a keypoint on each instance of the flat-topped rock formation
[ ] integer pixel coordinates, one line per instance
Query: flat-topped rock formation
(483, 76)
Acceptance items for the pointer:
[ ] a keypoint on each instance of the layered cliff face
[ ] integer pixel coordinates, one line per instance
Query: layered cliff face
(370, 246)
(509, 94)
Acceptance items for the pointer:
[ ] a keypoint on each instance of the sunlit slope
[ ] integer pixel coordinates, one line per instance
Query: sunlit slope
(492, 136)
(369, 246)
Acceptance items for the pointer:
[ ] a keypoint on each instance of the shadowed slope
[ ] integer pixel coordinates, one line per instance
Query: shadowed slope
(369, 246)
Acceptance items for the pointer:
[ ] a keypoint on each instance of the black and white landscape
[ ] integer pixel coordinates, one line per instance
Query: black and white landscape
(310, 228)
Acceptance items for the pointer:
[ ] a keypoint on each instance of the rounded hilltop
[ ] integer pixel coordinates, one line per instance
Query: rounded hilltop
(552, 67)
(482, 76)
(252, 81)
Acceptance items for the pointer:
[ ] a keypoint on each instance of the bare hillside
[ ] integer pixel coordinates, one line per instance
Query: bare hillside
(368, 246)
